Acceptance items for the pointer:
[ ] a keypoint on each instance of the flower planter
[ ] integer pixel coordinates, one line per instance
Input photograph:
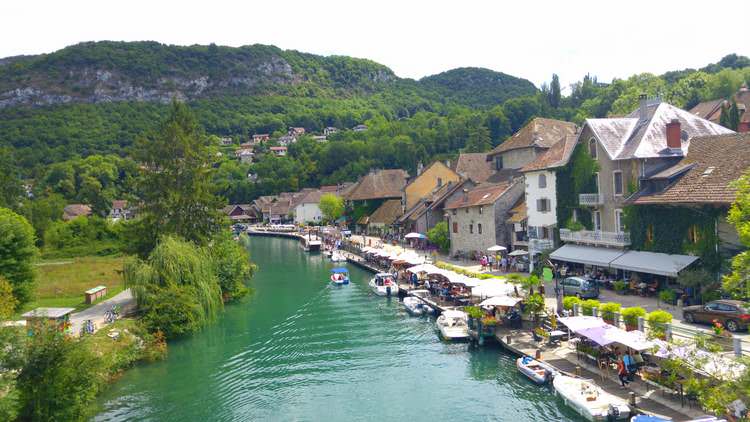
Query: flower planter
(630, 327)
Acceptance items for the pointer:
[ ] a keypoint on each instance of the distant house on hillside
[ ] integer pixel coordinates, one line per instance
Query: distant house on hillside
(330, 130)
(244, 155)
(296, 131)
(320, 138)
(72, 211)
(286, 140)
(260, 138)
(240, 213)
(225, 141)
(278, 151)
(120, 210)
(360, 128)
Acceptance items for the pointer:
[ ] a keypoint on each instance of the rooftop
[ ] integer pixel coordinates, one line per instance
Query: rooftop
(484, 194)
(556, 156)
(380, 184)
(474, 166)
(387, 213)
(539, 132)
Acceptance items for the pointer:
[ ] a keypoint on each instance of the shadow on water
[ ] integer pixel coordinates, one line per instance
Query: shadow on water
(301, 349)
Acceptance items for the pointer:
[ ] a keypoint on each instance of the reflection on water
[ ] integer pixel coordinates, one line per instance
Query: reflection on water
(300, 349)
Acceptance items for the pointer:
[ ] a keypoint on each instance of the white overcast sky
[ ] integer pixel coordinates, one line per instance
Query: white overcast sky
(526, 38)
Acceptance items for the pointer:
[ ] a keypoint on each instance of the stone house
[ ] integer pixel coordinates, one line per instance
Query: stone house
(477, 218)
(525, 145)
(430, 210)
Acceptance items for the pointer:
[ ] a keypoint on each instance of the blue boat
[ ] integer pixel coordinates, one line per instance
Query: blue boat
(340, 276)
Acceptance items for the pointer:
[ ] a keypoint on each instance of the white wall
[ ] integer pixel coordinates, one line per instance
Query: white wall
(534, 192)
(307, 212)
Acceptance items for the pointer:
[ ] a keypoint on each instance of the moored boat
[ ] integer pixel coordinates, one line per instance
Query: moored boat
(536, 371)
(453, 325)
(383, 284)
(337, 256)
(423, 294)
(415, 306)
(340, 276)
(589, 400)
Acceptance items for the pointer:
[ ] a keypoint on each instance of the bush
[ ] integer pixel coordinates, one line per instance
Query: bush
(608, 310)
(533, 304)
(17, 253)
(440, 236)
(232, 266)
(630, 315)
(474, 311)
(588, 305)
(620, 286)
(569, 301)
(656, 321)
(668, 296)
(82, 236)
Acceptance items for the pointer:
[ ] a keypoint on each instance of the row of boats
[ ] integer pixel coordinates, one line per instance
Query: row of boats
(583, 395)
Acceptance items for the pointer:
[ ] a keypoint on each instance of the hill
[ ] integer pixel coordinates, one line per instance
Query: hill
(477, 87)
(96, 72)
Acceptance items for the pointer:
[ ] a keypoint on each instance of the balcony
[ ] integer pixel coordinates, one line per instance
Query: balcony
(590, 199)
(540, 245)
(596, 237)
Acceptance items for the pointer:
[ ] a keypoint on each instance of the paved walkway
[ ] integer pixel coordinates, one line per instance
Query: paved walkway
(124, 300)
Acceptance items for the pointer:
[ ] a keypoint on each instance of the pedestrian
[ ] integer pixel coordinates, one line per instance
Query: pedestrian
(504, 263)
(622, 372)
(490, 261)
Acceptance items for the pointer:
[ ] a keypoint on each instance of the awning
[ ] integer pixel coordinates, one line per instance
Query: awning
(653, 262)
(608, 334)
(501, 301)
(578, 323)
(587, 255)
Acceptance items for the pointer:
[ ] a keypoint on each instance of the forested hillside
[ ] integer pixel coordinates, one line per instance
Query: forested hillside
(408, 121)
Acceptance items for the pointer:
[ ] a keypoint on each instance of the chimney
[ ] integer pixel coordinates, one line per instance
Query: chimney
(420, 168)
(466, 195)
(673, 135)
(643, 107)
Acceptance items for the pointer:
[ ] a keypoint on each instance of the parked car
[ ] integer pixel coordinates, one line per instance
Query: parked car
(580, 287)
(732, 314)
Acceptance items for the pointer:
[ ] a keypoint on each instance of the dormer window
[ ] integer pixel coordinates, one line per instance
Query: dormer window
(592, 148)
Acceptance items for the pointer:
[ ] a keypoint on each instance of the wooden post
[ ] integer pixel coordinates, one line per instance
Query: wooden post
(616, 319)
(538, 354)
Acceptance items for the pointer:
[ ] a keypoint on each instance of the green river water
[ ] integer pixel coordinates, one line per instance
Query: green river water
(301, 350)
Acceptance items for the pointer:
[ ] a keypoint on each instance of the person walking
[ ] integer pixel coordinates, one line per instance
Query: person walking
(622, 372)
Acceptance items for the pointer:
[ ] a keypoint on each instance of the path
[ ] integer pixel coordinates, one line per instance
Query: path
(124, 300)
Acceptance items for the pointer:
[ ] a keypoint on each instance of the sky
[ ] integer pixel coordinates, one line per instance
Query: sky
(527, 38)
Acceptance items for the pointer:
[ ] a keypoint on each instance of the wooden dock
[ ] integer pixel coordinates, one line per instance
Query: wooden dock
(520, 342)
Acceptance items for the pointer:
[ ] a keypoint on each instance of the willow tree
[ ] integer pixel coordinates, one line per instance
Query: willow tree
(738, 282)
(176, 288)
(175, 185)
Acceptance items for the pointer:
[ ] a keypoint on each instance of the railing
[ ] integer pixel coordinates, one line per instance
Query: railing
(590, 199)
(595, 237)
(540, 244)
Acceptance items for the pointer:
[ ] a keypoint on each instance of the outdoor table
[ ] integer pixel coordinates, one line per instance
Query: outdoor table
(555, 336)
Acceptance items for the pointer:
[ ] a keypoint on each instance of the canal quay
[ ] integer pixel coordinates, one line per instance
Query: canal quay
(302, 349)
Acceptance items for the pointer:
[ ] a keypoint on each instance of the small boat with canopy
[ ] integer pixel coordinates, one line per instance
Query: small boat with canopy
(340, 276)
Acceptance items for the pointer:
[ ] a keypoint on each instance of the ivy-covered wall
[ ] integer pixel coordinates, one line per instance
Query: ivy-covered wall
(575, 178)
(669, 229)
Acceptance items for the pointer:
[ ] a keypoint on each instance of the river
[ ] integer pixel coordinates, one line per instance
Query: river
(301, 350)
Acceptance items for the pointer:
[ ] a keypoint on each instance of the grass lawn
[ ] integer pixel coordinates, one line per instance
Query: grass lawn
(61, 282)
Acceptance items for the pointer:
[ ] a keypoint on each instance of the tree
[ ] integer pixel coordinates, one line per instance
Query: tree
(59, 378)
(17, 253)
(734, 116)
(478, 140)
(175, 185)
(439, 236)
(42, 212)
(11, 189)
(332, 207)
(176, 288)
(232, 266)
(738, 281)
(554, 91)
(724, 117)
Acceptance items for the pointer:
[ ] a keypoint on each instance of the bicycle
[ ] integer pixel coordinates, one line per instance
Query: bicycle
(87, 327)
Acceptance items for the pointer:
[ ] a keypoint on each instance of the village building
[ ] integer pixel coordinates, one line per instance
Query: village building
(430, 210)
(260, 138)
(330, 130)
(240, 213)
(244, 155)
(426, 182)
(286, 140)
(701, 187)
(538, 216)
(296, 132)
(72, 211)
(120, 210)
(278, 151)
(320, 139)
(360, 128)
(372, 190)
(306, 207)
(477, 218)
(262, 207)
(225, 141)
(711, 110)
(381, 221)
(628, 151)
(474, 166)
(526, 145)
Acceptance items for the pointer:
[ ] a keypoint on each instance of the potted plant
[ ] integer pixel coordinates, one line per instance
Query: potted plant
(489, 323)
(657, 321)
(630, 317)
(608, 311)
(620, 287)
(533, 305)
(569, 301)
(588, 306)
(474, 313)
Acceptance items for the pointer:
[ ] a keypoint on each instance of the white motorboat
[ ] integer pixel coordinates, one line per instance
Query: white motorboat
(337, 256)
(538, 372)
(453, 325)
(415, 306)
(340, 276)
(383, 284)
(423, 294)
(589, 400)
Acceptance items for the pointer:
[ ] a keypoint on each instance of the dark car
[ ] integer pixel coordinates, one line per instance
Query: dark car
(732, 314)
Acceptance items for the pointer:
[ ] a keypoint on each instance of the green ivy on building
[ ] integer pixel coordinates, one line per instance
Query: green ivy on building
(676, 230)
(575, 178)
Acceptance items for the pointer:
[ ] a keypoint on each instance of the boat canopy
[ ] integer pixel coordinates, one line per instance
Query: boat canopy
(339, 270)
(451, 313)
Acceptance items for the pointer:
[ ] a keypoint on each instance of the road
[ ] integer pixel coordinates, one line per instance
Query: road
(124, 300)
